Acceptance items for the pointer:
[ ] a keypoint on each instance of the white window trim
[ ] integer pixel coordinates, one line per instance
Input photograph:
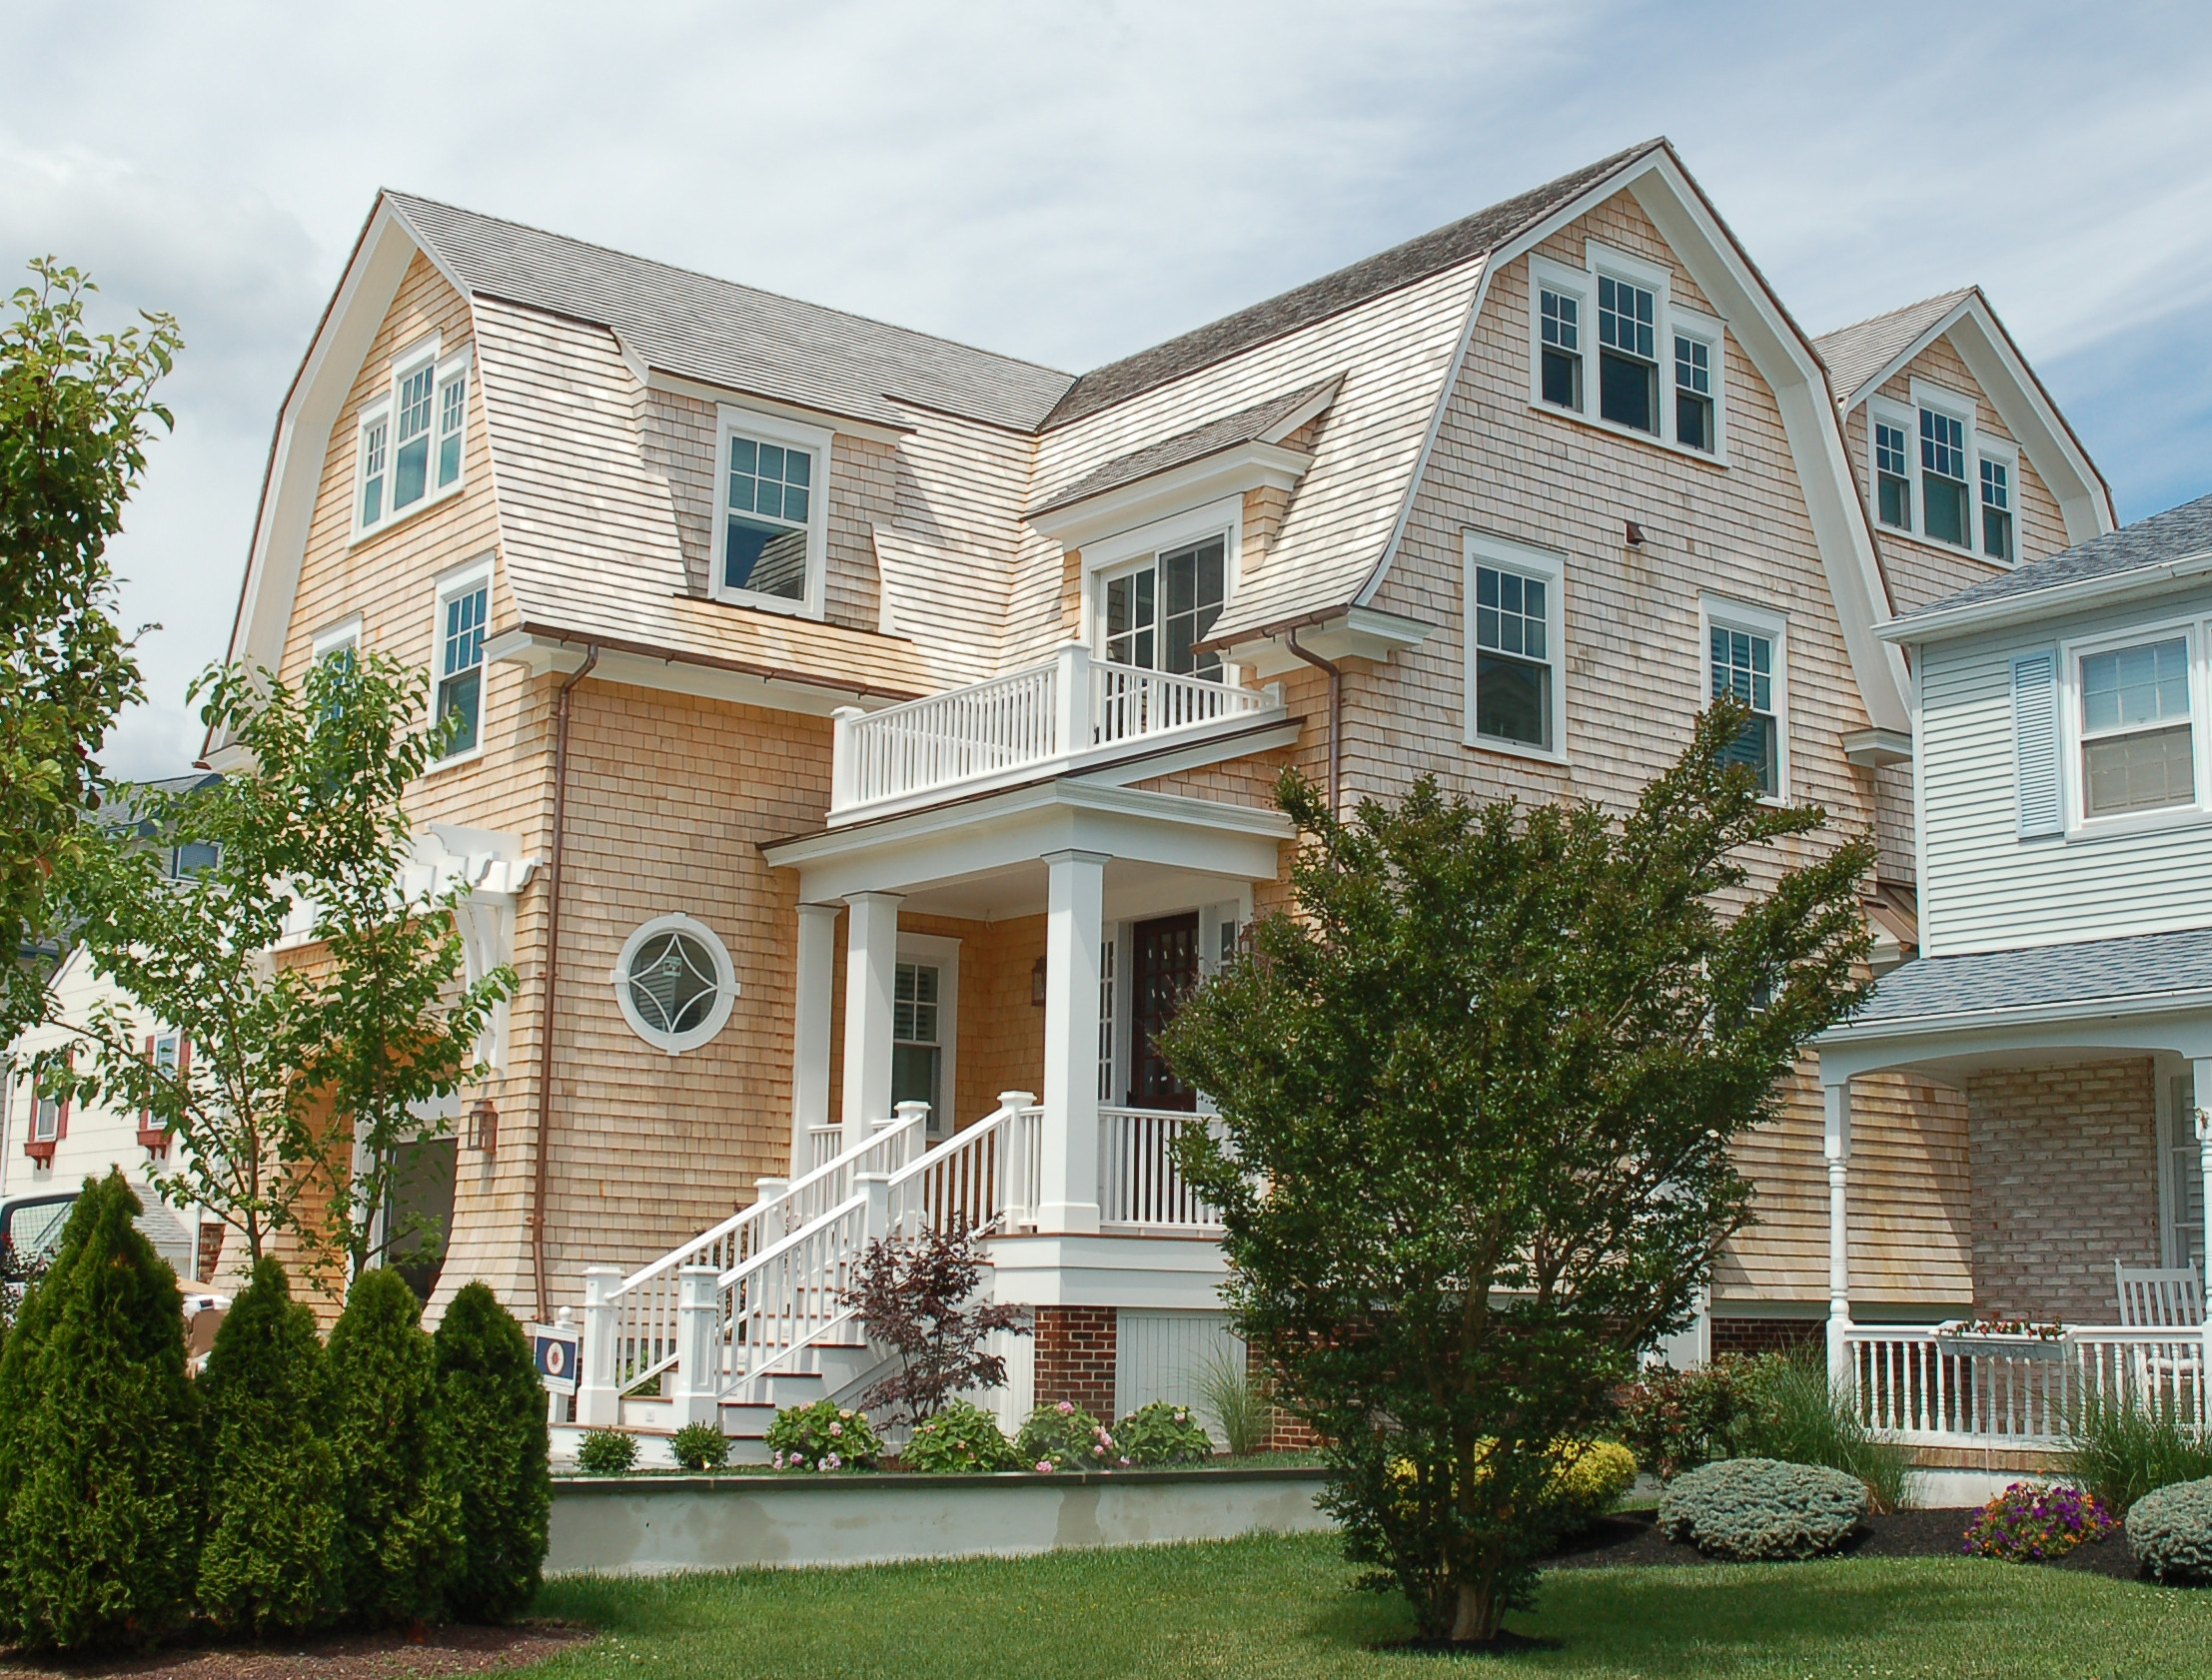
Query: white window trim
(1720, 612)
(2073, 794)
(1905, 416)
(1989, 447)
(345, 633)
(725, 980)
(1551, 568)
(1131, 550)
(1669, 317)
(944, 955)
(458, 582)
(773, 428)
(384, 406)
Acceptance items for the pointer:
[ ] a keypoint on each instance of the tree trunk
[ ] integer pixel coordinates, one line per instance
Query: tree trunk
(1479, 1612)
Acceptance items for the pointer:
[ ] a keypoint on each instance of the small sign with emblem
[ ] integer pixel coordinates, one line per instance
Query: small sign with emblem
(557, 1350)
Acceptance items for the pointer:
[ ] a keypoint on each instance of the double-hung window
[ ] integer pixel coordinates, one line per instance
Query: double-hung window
(1628, 363)
(2137, 741)
(1997, 510)
(1744, 660)
(1157, 611)
(409, 450)
(1892, 476)
(1694, 392)
(1562, 354)
(772, 534)
(1515, 627)
(917, 1043)
(464, 606)
(1611, 342)
(1944, 501)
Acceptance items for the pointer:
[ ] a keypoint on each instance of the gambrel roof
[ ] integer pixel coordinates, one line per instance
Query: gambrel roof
(1862, 355)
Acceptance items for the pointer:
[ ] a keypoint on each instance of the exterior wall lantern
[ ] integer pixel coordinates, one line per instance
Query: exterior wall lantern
(484, 1125)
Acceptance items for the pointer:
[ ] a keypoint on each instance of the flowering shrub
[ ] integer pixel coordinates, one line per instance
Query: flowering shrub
(1591, 1476)
(822, 1436)
(1066, 1437)
(962, 1438)
(2003, 1326)
(606, 1452)
(2031, 1522)
(1675, 1421)
(1163, 1433)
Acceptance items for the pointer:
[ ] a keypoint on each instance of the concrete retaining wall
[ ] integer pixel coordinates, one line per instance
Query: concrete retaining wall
(658, 1525)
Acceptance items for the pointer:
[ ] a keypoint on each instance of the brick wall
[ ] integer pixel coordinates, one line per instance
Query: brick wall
(1753, 1337)
(1076, 1351)
(2065, 1180)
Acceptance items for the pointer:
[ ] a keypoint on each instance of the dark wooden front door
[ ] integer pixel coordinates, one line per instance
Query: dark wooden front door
(1167, 966)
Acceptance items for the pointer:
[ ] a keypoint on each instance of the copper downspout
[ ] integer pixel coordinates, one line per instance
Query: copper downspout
(1336, 713)
(543, 1166)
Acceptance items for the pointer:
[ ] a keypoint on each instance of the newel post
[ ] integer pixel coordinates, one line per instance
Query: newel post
(698, 1378)
(844, 770)
(2202, 1103)
(1836, 1146)
(1071, 698)
(598, 1402)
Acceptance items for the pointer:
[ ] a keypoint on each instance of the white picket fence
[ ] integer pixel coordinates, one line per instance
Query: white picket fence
(1926, 1390)
(1064, 706)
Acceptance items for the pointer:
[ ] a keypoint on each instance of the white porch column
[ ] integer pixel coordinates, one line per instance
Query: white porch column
(871, 973)
(2201, 1076)
(1068, 1177)
(815, 985)
(1838, 1146)
(699, 1375)
(598, 1402)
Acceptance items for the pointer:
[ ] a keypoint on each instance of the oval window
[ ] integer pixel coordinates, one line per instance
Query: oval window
(674, 983)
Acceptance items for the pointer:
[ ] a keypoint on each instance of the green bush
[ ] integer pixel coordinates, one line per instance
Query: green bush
(1788, 1411)
(1066, 1437)
(1675, 1421)
(1759, 1509)
(2170, 1532)
(1162, 1433)
(401, 1543)
(105, 1490)
(961, 1438)
(823, 1436)
(2121, 1452)
(1240, 1400)
(273, 1488)
(606, 1452)
(493, 1413)
(699, 1446)
(1590, 1479)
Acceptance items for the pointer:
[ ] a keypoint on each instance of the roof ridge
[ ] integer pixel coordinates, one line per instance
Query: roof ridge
(397, 195)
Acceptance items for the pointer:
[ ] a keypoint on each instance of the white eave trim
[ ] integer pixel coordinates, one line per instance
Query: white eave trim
(1872, 748)
(1853, 1035)
(1356, 632)
(1228, 472)
(2033, 604)
(772, 691)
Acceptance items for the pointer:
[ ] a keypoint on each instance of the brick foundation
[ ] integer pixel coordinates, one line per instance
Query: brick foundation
(1753, 1337)
(1077, 1348)
(2065, 1182)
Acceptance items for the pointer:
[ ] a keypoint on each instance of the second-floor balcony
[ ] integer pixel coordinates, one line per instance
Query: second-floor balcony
(1067, 713)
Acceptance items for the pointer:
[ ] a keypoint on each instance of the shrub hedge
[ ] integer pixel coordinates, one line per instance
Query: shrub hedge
(1763, 1509)
(699, 1446)
(2170, 1532)
(962, 1438)
(1162, 1433)
(1066, 1437)
(606, 1452)
(492, 1420)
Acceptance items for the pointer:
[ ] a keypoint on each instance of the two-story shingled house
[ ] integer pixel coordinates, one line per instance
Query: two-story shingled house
(869, 737)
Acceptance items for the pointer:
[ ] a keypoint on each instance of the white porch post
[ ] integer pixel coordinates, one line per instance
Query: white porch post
(1069, 1179)
(871, 973)
(699, 1373)
(1072, 722)
(598, 1402)
(1837, 1143)
(816, 983)
(2201, 1078)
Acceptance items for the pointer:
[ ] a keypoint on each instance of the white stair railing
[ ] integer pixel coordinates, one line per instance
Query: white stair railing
(1139, 1182)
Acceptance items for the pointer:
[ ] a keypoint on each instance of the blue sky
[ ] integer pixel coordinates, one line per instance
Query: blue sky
(1074, 182)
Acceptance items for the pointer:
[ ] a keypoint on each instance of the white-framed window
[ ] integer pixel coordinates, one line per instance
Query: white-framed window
(1515, 628)
(1610, 343)
(925, 1006)
(335, 638)
(1995, 495)
(1892, 474)
(2135, 724)
(1153, 594)
(1938, 476)
(410, 440)
(674, 983)
(456, 657)
(1945, 497)
(1746, 652)
(771, 530)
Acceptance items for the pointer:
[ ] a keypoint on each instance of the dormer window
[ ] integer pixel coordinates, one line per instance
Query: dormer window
(1893, 476)
(1937, 476)
(1997, 510)
(409, 449)
(772, 531)
(1156, 610)
(1628, 369)
(1944, 477)
(1660, 364)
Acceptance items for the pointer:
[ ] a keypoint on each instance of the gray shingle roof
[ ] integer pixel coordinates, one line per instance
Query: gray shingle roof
(735, 335)
(1993, 982)
(1194, 444)
(1403, 265)
(1855, 354)
(2179, 533)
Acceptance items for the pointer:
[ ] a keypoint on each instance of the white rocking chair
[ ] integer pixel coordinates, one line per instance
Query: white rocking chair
(2163, 1297)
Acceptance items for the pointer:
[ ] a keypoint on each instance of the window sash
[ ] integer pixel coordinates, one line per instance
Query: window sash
(1512, 656)
(452, 416)
(1694, 427)
(372, 442)
(1742, 664)
(2139, 742)
(767, 506)
(1157, 612)
(462, 615)
(1996, 511)
(412, 436)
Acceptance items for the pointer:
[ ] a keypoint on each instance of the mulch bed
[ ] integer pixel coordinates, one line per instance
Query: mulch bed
(1632, 1538)
(336, 1656)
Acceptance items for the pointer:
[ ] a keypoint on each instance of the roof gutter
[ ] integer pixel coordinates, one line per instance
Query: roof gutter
(1336, 712)
(1942, 624)
(2029, 1015)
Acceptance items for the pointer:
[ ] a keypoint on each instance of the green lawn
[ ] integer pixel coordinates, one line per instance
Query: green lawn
(1279, 1607)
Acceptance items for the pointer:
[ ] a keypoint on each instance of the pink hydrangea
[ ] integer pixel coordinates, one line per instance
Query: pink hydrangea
(777, 1461)
(1065, 1407)
(836, 1429)
(1044, 1467)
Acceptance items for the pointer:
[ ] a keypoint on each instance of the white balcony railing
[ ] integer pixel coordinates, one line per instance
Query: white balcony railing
(1062, 709)
(1925, 1389)
(1139, 1184)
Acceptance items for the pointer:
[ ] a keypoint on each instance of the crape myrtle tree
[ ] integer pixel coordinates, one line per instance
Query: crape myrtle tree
(308, 1079)
(76, 410)
(1477, 1093)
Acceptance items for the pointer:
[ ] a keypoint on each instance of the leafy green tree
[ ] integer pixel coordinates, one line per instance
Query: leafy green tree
(401, 1541)
(75, 408)
(1479, 1095)
(104, 1489)
(271, 1564)
(308, 1077)
(494, 1411)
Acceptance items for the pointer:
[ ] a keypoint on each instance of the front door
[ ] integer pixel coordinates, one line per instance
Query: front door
(1167, 966)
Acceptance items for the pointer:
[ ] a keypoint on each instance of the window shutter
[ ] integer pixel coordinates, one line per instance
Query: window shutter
(2035, 744)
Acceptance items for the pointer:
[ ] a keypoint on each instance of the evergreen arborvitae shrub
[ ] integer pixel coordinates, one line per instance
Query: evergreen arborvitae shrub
(494, 1411)
(271, 1564)
(104, 1491)
(26, 1338)
(400, 1543)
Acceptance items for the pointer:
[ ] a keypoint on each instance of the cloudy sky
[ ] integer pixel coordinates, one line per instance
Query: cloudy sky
(1073, 182)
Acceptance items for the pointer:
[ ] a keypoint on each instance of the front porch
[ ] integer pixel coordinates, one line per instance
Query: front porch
(2089, 1161)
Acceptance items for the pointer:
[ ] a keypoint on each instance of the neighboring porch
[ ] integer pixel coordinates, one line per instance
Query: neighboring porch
(2089, 1160)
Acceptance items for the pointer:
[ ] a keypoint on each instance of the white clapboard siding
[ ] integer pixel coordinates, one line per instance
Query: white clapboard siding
(1988, 886)
(1159, 1357)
